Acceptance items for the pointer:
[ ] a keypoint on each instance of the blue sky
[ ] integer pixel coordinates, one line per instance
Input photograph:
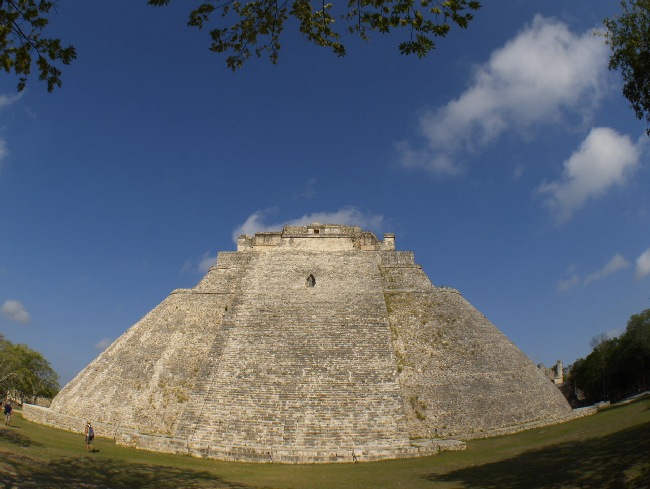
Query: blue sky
(507, 160)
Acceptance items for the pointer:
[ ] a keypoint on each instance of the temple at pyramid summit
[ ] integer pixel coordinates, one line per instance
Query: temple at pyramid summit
(317, 343)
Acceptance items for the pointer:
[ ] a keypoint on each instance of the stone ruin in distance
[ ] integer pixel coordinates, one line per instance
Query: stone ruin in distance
(318, 343)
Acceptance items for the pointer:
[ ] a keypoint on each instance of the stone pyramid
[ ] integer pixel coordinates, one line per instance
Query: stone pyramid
(318, 343)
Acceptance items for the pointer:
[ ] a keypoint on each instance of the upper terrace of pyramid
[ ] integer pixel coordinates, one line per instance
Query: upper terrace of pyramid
(317, 237)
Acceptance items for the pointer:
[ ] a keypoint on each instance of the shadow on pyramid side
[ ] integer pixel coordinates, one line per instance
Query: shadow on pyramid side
(318, 343)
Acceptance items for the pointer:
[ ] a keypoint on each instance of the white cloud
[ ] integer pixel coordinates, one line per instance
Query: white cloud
(206, 262)
(436, 163)
(350, 216)
(4, 151)
(643, 264)
(5, 101)
(255, 224)
(15, 311)
(309, 190)
(568, 283)
(537, 77)
(103, 344)
(618, 262)
(518, 172)
(605, 158)
(202, 265)
(571, 281)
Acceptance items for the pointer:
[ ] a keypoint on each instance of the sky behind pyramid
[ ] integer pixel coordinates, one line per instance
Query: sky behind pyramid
(507, 160)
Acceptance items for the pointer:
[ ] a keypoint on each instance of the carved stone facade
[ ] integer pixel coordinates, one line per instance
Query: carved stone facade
(318, 343)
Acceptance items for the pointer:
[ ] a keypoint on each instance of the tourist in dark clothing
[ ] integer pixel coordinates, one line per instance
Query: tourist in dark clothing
(90, 434)
(8, 409)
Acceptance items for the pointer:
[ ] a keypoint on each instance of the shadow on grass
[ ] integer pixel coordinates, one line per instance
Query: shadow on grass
(15, 438)
(620, 460)
(94, 473)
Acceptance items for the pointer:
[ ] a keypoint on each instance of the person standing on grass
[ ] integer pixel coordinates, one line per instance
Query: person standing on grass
(90, 434)
(8, 410)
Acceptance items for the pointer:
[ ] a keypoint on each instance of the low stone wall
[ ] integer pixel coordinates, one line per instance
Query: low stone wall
(48, 417)
(133, 439)
(286, 455)
(510, 430)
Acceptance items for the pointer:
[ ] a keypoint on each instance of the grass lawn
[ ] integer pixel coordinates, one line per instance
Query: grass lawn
(610, 449)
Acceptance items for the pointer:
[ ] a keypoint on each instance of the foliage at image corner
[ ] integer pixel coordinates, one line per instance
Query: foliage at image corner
(22, 43)
(628, 36)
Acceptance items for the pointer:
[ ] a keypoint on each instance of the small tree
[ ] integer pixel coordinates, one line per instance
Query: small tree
(25, 372)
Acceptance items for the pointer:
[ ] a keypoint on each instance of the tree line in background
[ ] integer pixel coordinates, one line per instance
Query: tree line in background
(245, 28)
(617, 367)
(25, 374)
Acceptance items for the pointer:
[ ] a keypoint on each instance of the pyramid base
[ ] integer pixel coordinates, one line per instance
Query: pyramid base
(240, 453)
